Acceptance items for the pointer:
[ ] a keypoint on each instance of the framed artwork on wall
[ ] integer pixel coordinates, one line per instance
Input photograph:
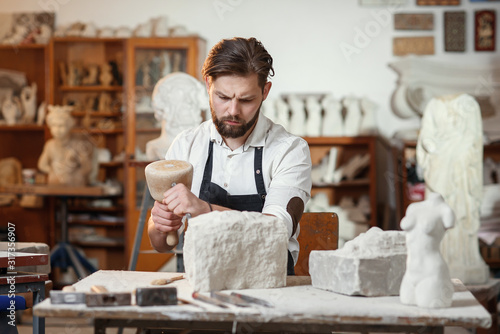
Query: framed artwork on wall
(411, 21)
(381, 2)
(438, 2)
(454, 31)
(484, 31)
(421, 45)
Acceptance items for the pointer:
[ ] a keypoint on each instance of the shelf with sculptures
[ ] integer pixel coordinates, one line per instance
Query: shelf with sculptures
(18, 100)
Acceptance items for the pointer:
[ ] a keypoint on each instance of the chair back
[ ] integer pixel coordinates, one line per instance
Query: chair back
(318, 231)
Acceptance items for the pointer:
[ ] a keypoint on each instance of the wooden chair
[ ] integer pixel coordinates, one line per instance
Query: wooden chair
(318, 231)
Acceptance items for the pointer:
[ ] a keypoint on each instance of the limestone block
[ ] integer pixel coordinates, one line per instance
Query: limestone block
(235, 250)
(372, 264)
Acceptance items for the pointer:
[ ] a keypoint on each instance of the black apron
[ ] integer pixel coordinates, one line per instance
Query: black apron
(214, 194)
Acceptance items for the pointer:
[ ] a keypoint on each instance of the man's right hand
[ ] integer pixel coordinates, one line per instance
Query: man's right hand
(164, 220)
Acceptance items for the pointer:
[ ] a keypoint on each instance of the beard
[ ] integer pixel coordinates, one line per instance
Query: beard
(233, 131)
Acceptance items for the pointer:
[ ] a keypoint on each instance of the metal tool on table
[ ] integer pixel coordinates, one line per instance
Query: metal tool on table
(164, 174)
(196, 295)
(152, 296)
(252, 300)
(230, 299)
(100, 296)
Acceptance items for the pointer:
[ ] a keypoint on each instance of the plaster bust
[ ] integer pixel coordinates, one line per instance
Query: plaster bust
(178, 100)
(66, 158)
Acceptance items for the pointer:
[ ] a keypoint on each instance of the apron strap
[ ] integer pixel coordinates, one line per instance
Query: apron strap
(259, 179)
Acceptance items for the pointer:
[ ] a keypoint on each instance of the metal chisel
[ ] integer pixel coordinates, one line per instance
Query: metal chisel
(252, 300)
(208, 300)
(230, 299)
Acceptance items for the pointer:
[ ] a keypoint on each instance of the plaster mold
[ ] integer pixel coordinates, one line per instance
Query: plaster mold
(371, 264)
(235, 250)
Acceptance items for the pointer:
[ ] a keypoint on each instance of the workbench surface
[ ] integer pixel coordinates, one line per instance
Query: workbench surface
(297, 304)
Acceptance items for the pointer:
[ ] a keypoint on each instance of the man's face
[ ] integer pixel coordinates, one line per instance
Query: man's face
(235, 103)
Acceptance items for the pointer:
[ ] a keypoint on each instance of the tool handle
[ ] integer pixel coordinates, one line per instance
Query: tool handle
(172, 238)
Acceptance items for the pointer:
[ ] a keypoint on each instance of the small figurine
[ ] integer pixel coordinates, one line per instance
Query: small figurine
(43, 34)
(28, 101)
(106, 77)
(91, 77)
(11, 109)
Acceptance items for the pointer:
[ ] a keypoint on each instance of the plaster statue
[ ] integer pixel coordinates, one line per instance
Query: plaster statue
(91, 77)
(283, 114)
(89, 30)
(143, 30)
(298, 118)
(20, 31)
(427, 281)
(313, 126)
(269, 110)
(123, 32)
(104, 102)
(352, 121)
(106, 77)
(368, 124)
(160, 26)
(66, 158)
(333, 124)
(107, 32)
(11, 109)
(166, 67)
(450, 153)
(40, 114)
(28, 101)
(44, 34)
(178, 100)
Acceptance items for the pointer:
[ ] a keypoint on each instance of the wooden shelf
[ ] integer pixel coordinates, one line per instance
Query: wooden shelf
(98, 131)
(97, 114)
(96, 223)
(95, 209)
(119, 243)
(22, 127)
(87, 39)
(347, 183)
(22, 46)
(328, 141)
(112, 164)
(90, 88)
(148, 130)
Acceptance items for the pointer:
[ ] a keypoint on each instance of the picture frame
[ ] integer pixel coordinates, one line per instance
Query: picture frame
(484, 30)
(454, 31)
(414, 21)
(438, 2)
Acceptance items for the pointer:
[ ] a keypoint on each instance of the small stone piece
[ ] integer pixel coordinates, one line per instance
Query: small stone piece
(235, 250)
(372, 264)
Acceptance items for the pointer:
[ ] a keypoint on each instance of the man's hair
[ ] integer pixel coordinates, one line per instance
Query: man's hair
(239, 56)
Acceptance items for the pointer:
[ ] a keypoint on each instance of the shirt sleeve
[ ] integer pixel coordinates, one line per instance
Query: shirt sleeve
(290, 185)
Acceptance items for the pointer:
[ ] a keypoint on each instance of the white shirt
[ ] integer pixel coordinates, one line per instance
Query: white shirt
(286, 164)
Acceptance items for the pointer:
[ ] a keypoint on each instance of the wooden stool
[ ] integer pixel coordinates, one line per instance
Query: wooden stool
(487, 295)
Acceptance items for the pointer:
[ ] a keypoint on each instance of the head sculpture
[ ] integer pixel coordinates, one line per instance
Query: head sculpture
(60, 121)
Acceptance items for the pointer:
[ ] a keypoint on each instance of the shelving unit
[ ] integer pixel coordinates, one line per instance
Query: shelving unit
(364, 184)
(185, 54)
(102, 241)
(28, 138)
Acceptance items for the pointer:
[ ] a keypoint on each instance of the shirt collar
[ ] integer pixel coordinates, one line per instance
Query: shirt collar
(256, 139)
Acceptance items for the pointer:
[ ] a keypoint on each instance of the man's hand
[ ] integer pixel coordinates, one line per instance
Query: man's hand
(164, 220)
(179, 200)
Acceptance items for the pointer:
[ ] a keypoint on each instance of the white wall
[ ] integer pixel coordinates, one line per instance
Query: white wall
(304, 38)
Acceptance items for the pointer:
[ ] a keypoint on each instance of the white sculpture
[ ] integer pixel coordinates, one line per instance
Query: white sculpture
(178, 101)
(166, 67)
(66, 158)
(40, 114)
(11, 109)
(282, 114)
(427, 281)
(143, 30)
(450, 152)
(298, 118)
(28, 101)
(122, 32)
(352, 121)
(333, 123)
(106, 78)
(269, 109)
(368, 123)
(108, 32)
(43, 35)
(160, 26)
(89, 30)
(313, 126)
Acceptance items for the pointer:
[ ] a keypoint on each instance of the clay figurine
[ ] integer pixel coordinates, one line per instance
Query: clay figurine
(106, 77)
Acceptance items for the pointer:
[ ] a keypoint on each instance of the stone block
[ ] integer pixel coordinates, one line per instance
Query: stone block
(235, 250)
(372, 264)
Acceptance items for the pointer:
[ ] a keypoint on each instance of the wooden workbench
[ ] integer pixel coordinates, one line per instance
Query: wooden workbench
(298, 308)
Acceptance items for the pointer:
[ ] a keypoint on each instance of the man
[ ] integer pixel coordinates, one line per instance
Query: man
(242, 161)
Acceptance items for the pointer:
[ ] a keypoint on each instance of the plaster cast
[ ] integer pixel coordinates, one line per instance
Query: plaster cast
(450, 152)
(178, 100)
(298, 118)
(427, 281)
(235, 250)
(313, 125)
(28, 101)
(352, 121)
(333, 124)
(66, 158)
(283, 114)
